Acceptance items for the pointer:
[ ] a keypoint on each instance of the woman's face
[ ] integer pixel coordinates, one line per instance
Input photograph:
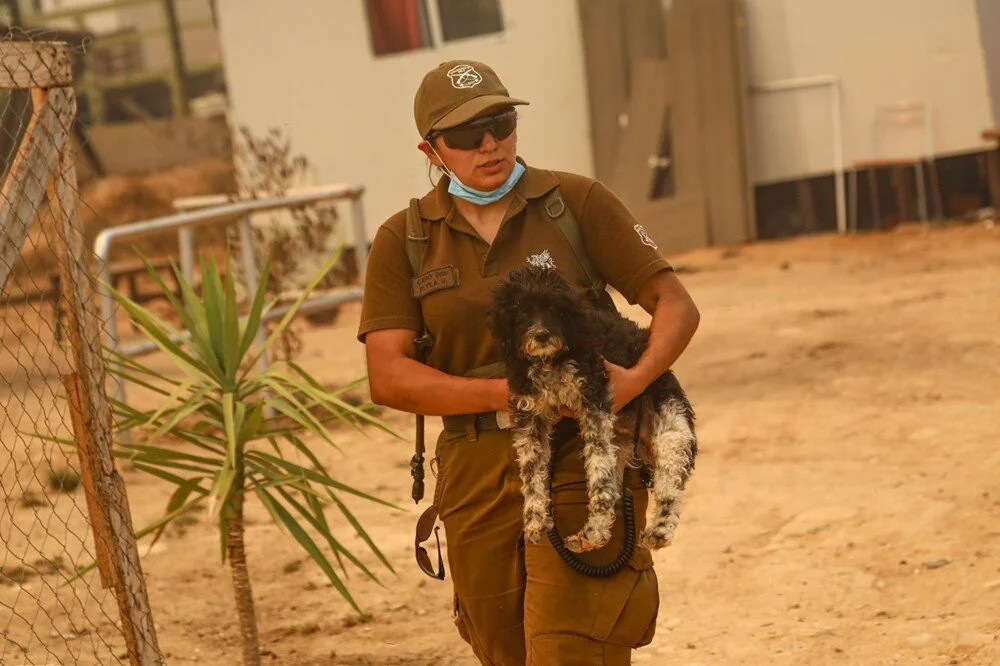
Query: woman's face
(485, 168)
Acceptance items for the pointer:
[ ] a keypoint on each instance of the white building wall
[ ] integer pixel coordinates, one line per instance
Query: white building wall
(883, 51)
(307, 67)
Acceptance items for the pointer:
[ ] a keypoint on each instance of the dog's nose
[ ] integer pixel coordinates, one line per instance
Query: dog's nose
(542, 336)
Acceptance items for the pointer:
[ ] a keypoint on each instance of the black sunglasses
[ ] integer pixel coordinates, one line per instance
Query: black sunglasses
(469, 136)
(424, 525)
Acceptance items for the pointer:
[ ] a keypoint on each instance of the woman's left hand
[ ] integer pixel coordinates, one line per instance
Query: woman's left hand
(626, 384)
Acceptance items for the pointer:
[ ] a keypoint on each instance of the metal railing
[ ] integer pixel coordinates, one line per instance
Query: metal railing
(237, 211)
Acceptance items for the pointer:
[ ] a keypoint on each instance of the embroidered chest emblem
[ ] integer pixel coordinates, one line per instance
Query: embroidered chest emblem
(542, 260)
(644, 237)
(464, 76)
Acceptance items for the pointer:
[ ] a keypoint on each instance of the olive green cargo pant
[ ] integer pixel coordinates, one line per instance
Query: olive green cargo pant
(521, 604)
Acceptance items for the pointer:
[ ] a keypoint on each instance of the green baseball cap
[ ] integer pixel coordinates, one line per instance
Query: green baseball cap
(455, 92)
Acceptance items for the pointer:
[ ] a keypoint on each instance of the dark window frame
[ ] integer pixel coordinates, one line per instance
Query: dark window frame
(402, 26)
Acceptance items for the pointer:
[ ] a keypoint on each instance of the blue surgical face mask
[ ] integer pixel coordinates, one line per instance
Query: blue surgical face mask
(462, 191)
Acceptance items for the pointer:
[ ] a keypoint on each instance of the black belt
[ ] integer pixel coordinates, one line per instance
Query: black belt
(563, 429)
(480, 421)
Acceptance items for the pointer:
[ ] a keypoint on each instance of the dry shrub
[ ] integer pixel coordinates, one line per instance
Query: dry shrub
(117, 200)
(302, 238)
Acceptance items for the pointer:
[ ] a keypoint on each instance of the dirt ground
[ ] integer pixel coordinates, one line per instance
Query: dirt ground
(844, 509)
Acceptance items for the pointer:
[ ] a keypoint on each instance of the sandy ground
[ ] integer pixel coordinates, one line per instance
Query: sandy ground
(844, 508)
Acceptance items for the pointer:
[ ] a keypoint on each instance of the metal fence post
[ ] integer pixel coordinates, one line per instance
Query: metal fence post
(94, 415)
(185, 246)
(360, 237)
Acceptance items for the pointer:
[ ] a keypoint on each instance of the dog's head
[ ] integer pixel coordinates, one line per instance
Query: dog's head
(536, 315)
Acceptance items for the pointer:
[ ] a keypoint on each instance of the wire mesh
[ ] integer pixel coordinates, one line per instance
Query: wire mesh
(50, 327)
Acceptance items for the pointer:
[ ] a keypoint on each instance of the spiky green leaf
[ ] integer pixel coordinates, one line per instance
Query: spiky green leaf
(300, 535)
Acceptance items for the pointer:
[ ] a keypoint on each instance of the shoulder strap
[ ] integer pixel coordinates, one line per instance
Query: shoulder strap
(557, 209)
(416, 239)
(416, 247)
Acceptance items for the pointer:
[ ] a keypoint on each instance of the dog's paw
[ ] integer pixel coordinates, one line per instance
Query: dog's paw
(654, 539)
(598, 538)
(535, 527)
(576, 544)
(532, 535)
(585, 542)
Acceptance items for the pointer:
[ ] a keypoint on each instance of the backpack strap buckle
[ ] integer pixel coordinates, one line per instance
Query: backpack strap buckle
(555, 201)
(424, 343)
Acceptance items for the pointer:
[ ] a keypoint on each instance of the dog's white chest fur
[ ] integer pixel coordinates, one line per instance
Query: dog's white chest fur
(557, 386)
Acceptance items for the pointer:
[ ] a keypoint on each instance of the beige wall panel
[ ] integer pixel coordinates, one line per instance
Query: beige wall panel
(721, 107)
(681, 41)
(638, 141)
(607, 77)
(676, 224)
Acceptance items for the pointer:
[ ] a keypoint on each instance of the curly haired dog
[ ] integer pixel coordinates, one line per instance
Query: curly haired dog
(552, 342)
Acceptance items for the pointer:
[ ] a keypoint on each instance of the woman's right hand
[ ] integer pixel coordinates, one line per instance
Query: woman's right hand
(501, 391)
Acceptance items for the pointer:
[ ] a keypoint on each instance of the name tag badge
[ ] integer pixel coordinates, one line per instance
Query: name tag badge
(433, 280)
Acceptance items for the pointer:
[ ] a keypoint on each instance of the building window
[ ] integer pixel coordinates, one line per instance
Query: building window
(468, 18)
(404, 25)
(398, 25)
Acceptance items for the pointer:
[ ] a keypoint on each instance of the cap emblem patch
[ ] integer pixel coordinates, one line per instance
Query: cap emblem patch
(464, 76)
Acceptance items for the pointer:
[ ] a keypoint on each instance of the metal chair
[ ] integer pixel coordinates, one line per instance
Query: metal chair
(902, 137)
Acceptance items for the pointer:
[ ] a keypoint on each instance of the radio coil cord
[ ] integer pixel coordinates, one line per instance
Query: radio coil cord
(606, 570)
(628, 548)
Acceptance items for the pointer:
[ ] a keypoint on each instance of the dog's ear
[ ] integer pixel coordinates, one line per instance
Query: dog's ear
(552, 281)
(577, 326)
(502, 318)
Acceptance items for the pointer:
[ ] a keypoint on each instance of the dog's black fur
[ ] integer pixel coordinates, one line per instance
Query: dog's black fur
(542, 327)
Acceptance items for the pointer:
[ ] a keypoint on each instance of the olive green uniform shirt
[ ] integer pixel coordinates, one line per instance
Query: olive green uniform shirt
(618, 247)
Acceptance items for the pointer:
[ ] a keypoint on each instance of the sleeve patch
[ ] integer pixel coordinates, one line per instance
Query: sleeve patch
(644, 237)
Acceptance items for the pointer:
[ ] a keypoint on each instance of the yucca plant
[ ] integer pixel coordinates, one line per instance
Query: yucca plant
(220, 407)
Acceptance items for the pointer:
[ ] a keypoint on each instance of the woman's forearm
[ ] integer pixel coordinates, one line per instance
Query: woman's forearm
(672, 327)
(410, 386)
(675, 320)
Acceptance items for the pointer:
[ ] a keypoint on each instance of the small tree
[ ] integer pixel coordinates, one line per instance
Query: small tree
(219, 409)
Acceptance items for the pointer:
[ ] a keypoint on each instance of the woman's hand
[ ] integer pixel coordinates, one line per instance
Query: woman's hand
(626, 384)
(500, 390)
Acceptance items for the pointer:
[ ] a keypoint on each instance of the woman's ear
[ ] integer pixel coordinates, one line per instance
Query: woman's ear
(425, 147)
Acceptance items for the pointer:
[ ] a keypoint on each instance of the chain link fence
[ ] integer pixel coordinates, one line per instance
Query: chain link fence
(64, 505)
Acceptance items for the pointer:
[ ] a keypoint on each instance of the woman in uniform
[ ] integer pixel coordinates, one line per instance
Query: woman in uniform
(515, 603)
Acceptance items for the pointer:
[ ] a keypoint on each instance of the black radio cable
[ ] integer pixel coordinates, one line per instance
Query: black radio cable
(628, 548)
